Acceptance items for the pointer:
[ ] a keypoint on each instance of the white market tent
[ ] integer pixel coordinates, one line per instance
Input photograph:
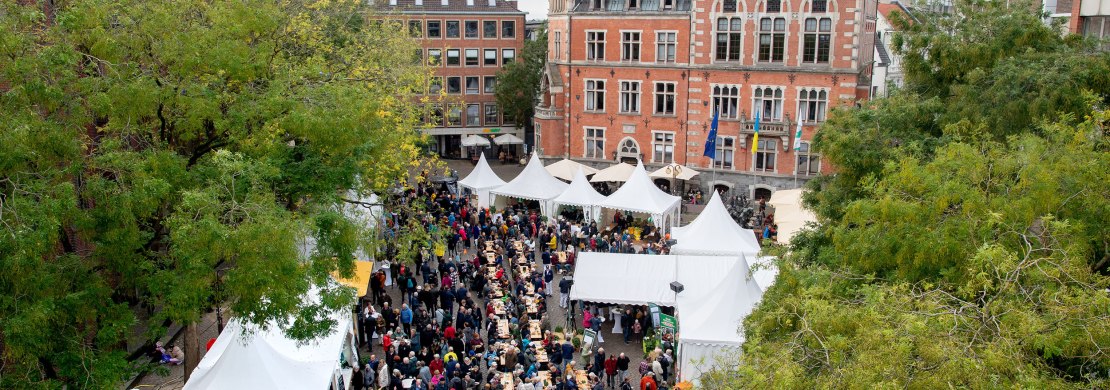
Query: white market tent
(533, 183)
(764, 271)
(718, 293)
(565, 169)
(580, 193)
(475, 140)
(616, 172)
(714, 232)
(790, 215)
(267, 359)
(481, 180)
(507, 139)
(640, 195)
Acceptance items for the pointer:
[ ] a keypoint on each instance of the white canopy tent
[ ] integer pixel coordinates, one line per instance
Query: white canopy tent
(580, 193)
(481, 180)
(267, 359)
(790, 215)
(718, 293)
(565, 169)
(475, 140)
(616, 172)
(640, 195)
(714, 232)
(508, 139)
(533, 183)
(764, 271)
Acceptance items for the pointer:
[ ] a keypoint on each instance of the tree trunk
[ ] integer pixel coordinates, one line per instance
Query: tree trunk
(192, 349)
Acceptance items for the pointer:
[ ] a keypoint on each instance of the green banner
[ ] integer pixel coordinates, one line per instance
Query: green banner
(668, 322)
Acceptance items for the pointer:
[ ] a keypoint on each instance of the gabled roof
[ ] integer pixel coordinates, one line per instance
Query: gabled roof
(639, 194)
(482, 177)
(714, 232)
(534, 183)
(580, 192)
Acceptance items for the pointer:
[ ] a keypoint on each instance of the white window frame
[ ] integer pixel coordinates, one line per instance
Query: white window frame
(728, 32)
(594, 95)
(762, 153)
(817, 33)
(595, 48)
(813, 104)
(656, 143)
(485, 57)
(629, 97)
(628, 45)
(758, 104)
(722, 151)
(587, 139)
(772, 32)
(666, 51)
(806, 152)
(558, 43)
(661, 97)
(729, 95)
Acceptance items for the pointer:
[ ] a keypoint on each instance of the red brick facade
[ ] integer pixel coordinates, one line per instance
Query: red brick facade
(472, 40)
(799, 78)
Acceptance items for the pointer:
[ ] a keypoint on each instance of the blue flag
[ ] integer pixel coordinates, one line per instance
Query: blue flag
(711, 141)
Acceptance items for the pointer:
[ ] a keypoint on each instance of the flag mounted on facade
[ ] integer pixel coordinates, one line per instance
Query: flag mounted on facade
(798, 136)
(711, 140)
(755, 138)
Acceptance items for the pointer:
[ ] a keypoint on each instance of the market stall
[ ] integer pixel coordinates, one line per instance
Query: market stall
(581, 194)
(790, 215)
(481, 180)
(640, 195)
(533, 183)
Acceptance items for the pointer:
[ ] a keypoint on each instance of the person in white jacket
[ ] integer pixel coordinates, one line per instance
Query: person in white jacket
(383, 374)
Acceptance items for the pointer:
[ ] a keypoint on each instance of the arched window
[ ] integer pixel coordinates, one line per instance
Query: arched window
(774, 6)
(629, 150)
(728, 6)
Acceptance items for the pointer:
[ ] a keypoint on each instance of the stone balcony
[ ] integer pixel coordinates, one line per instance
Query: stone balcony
(548, 113)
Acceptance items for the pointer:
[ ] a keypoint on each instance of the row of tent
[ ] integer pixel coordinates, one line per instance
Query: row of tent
(638, 193)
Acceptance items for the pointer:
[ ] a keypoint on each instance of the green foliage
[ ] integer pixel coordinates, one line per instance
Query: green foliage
(149, 146)
(964, 239)
(518, 83)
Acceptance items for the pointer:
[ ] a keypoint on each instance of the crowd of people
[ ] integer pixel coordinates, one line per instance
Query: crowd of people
(476, 317)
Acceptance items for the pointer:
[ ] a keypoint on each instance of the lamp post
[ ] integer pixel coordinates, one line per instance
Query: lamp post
(674, 170)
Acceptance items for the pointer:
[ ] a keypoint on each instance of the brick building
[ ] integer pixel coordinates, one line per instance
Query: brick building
(467, 42)
(631, 79)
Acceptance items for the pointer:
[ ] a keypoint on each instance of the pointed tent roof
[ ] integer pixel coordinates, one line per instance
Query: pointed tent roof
(714, 232)
(580, 192)
(482, 177)
(639, 194)
(532, 183)
(565, 169)
(615, 172)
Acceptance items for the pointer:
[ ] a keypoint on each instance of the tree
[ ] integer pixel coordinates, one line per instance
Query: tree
(963, 241)
(518, 83)
(149, 144)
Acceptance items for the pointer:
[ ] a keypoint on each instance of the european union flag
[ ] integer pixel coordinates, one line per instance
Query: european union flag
(711, 141)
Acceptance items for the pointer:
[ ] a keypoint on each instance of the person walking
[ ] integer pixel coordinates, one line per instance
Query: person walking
(622, 368)
(610, 370)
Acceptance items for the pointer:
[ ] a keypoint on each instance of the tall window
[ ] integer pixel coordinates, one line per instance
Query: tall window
(434, 29)
(508, 56)
(415, 28)
(722, 158)
(508, 29)
(665, 46)
(772, 39)
(595, 143)
(471, 27)
(815, 40)
(453, 57)
(595, 45)
(454, 115)
(729, 36)
(452, 28)
(472, 87)
(454, 85)
(633, 4)
(491, 113)
(767, 101)
(765, 156)
(435, 116)
(473, 115)
(664, 147)
(630, 97)
(435, 85)
(595, 95)
(774, 5)
(664, 98)
(471, 57)
(490, 84)
(819, 6)
(630, 46)
(726, 101)
(558, 45)
(808, 163)
(435, 56)
(489, 29)
(729, 6)
(812, 104)
(489, 57)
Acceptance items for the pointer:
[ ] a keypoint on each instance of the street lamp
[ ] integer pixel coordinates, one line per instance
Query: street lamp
(674, 170)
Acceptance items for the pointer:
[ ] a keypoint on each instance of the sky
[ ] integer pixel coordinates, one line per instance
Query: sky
(536, 9)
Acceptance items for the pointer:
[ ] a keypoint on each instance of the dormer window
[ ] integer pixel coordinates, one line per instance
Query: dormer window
(774, 5)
